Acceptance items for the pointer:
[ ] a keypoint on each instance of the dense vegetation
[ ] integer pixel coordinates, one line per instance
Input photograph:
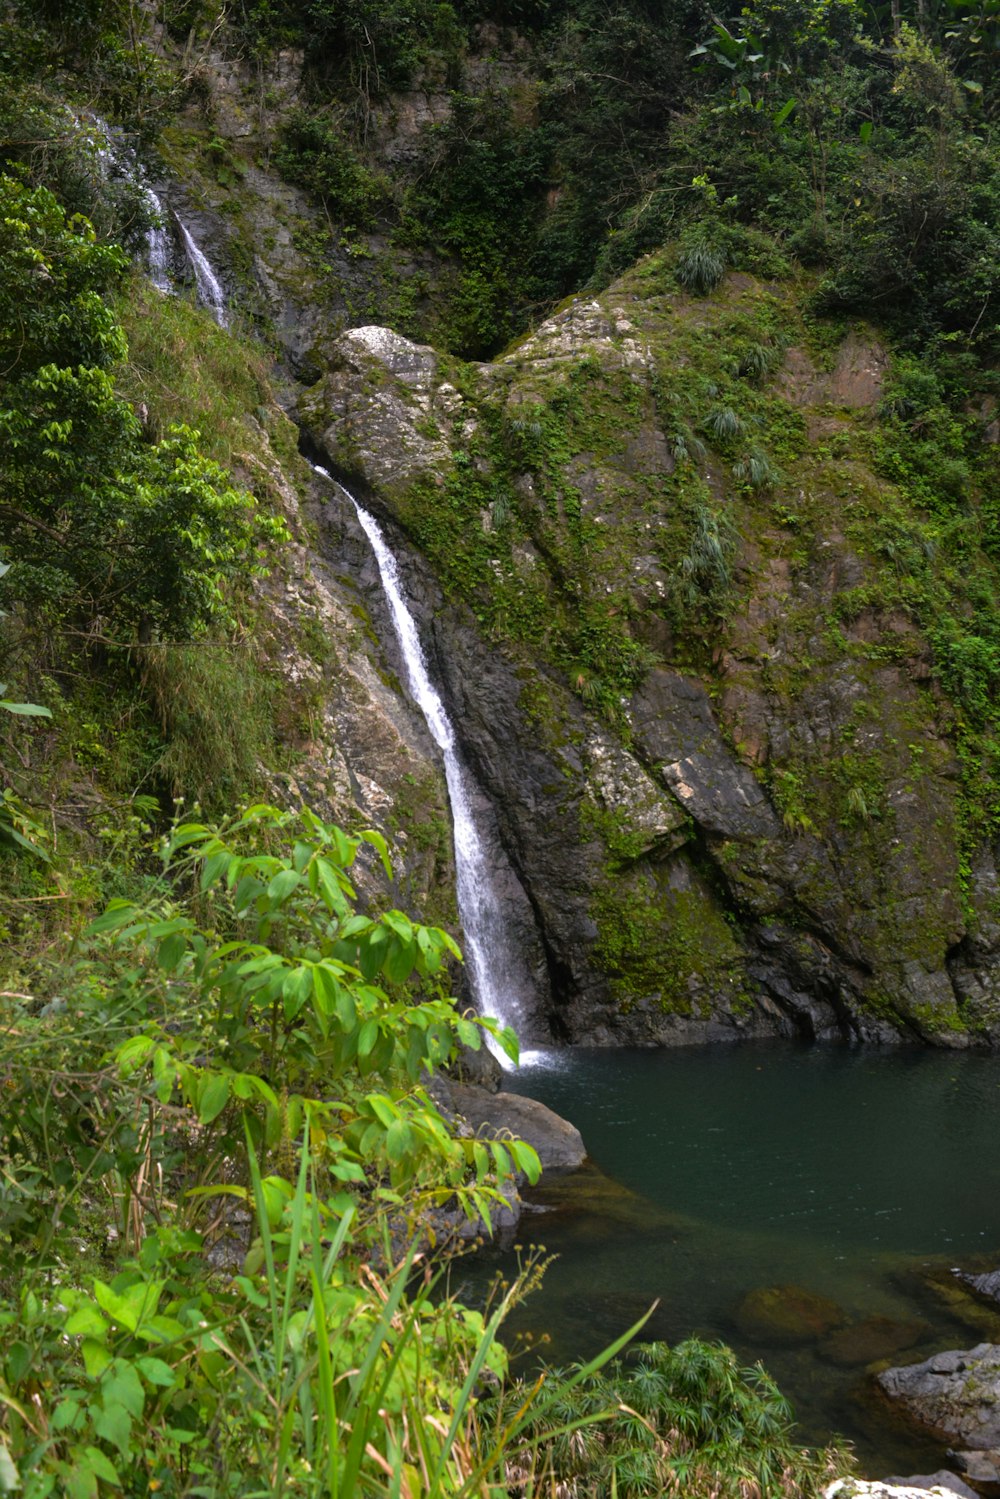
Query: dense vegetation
(204, 1046)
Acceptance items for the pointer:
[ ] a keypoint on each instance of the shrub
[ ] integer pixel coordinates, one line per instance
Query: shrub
(700, 266)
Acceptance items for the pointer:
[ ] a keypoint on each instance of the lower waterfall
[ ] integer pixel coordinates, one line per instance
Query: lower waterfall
(498, 974)
(210, 292)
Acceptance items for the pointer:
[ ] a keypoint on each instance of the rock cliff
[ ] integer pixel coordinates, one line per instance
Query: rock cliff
(724, 770)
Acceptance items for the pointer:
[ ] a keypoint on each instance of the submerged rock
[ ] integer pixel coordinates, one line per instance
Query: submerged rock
(872, 1339)
(786, 1314)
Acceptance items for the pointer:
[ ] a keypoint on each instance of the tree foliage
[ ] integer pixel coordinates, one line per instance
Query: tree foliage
(107, 530)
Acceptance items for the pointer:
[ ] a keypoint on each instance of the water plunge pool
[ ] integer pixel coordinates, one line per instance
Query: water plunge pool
(861, 1177)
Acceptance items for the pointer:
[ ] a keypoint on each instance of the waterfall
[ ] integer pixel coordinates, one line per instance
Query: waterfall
(210, 292)
(157, 245)
(116, 157)
(497, 973)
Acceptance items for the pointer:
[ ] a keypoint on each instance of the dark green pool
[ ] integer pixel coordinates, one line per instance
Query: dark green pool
(861, 1177)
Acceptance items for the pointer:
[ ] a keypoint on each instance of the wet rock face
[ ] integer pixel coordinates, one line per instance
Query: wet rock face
(768, 845)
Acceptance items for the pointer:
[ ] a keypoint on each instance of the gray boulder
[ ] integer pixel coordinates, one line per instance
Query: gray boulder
(954, 1395)
(558, 1143)
(942, 1479)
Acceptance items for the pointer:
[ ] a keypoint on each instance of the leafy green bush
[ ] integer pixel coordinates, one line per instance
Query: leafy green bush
(316, 155)
(246, 1007)
(700, 266)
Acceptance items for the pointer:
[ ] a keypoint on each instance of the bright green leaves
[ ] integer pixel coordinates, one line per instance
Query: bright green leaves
(132, 1306)
(302, 988)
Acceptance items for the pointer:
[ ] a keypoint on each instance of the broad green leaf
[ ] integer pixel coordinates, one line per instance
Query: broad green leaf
(468, 1033)
(155, 1371)
(329, 888)
(383, 1108)
(325, 989)
(379, 844)
(125, 1388)
(214, 867)
(367, 1037)
(526, 1159)
(345, 848)
(399, 1140)
(130, 1306)
(161, 1330)
(86, 1321)
(399, 961)
(296, 988)
(118, 914)
(213, 1096)
(63, 1417)
(103, 1467)
(114, 1424)
(247, 890)
(371, 952)
(35, 710)
(80, 1479)
(96, 1357)
(171, 951)
(133, 1052)
(347, 1012)
(284, 882)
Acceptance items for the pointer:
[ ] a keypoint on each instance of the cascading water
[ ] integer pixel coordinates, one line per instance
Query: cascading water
(116, 157)
(498, 976)
(157, 245)
(210, 292)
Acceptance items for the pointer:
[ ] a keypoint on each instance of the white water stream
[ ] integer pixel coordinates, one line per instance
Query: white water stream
(497, 974)
(158, 245)
(210, 292)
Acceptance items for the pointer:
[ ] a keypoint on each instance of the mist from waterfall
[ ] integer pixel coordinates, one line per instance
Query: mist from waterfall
(497, 973)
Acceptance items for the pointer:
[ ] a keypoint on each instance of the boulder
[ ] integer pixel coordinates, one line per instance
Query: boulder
(954, 1395)
(942, 1479)
(558, 1143)
(987, 1285)
(941, 1485)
